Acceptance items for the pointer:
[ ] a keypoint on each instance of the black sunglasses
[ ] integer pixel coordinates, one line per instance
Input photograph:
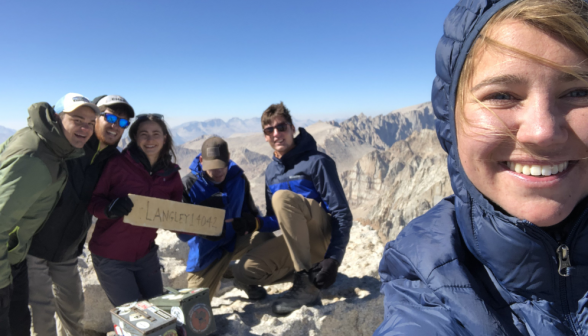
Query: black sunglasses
(111, 118)
(280, 127)
(147, 115)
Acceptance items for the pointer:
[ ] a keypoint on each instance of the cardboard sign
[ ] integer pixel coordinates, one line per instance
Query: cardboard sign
(176, 216)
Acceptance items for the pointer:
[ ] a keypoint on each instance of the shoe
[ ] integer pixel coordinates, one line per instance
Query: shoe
(253, 292)
(302, 293)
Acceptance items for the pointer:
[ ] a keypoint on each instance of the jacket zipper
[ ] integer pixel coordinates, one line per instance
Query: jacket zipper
(564, 263)
(563, 254)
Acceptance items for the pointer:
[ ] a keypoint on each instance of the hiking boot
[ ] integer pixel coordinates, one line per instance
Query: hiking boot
(253, 292)
(302, 293)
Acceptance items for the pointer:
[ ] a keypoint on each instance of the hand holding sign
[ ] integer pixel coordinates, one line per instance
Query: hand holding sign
(175, 216)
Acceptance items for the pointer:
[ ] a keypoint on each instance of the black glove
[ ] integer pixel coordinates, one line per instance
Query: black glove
(248, 223)
(119, 207)
(324, 273)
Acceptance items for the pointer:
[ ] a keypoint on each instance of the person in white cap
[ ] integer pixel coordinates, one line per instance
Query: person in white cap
(33, 174)
(53, 257)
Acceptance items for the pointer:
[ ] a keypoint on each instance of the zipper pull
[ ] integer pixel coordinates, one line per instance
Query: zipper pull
(563, 254)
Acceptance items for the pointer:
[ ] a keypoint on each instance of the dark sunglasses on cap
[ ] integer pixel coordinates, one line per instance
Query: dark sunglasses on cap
(111, 118)
(147, 115)
(280, 127)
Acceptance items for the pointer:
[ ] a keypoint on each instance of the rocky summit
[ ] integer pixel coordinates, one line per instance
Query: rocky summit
(352, 306)
(392, 169)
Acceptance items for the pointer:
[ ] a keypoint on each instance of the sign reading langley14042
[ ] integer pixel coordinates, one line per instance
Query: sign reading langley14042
(164, 214)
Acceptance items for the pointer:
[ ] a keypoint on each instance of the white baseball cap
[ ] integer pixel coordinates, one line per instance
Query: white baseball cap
(72, 101)
(114, 100)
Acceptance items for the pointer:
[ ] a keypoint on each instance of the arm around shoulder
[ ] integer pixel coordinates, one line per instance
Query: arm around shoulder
(100, 198)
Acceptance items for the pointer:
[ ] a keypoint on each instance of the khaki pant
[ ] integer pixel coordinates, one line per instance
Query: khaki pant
(306, 236)
(211, 276)
(55, 287)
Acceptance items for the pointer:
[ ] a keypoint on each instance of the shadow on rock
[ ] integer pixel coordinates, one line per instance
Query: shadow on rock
(352, 306)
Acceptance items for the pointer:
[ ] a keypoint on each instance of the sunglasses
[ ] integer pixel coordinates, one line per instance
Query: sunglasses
(111, 118)
(280, 127)
(147, 115)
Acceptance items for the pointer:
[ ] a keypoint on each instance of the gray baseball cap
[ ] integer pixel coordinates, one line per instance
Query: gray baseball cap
(215, 153)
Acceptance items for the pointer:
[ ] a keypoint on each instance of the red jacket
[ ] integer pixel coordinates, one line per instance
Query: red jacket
(112, 238)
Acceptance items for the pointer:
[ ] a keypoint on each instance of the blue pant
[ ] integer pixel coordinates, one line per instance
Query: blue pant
(126, 282)
(15, 318)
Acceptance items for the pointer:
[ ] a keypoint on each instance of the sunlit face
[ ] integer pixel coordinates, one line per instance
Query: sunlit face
(78, 125)
(281, 142)
(108, 133)
(150, 139)
(545, 109)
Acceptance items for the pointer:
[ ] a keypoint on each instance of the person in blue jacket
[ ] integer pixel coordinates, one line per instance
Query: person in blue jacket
(218, 182)
(304, 199)
(507, 253)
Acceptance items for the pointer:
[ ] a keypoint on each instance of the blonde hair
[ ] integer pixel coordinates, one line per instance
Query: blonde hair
(567, 19)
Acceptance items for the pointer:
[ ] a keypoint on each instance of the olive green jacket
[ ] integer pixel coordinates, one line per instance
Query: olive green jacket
(32, 176)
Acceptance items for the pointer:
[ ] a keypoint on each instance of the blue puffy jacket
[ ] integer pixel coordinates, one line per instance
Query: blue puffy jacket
(312, 174)
(236, 199)
(465, 268)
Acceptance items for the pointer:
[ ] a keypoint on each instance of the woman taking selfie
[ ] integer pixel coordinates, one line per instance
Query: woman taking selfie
(507, 254)
(125, 256)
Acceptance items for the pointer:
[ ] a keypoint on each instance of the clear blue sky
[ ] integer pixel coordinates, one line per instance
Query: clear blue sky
(203, 59)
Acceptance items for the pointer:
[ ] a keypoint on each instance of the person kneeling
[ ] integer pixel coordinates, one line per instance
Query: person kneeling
(216, 181)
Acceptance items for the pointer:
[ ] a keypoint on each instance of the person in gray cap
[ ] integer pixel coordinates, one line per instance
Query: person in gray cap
(218, 182)
(53, 256)
(32, 177)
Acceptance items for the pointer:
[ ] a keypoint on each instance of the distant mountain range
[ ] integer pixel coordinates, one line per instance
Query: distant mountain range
(195, 129)
(5, 133)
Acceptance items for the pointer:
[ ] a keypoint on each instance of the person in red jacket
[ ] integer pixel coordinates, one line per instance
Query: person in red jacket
(125, 256)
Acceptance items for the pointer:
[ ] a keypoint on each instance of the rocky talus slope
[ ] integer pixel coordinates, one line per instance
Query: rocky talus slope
(383, 131)
(352, 306)
(387, 189)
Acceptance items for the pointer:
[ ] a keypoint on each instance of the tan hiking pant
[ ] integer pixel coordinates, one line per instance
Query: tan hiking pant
(306, 228)
(211, 276)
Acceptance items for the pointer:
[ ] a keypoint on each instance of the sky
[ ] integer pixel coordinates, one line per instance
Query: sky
(203, 59)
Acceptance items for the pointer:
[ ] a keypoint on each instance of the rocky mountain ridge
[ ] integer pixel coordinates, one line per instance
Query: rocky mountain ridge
(408, 179)
(345, 142)
(5, 133)
(195, 129)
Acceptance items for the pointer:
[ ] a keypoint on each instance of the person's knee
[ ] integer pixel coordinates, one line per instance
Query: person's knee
(249, 271)
(285, 197)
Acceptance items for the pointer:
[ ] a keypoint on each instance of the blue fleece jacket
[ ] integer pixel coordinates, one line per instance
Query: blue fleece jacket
(465, 267)
(312, 174)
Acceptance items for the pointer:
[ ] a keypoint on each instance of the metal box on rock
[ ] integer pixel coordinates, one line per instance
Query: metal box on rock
(142, 318)
(191, 308)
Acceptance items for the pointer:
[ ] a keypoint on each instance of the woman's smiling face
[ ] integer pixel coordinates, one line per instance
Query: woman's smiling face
(544, 108)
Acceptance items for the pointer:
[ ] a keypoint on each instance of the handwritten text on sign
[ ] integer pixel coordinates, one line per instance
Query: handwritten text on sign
(164, 214)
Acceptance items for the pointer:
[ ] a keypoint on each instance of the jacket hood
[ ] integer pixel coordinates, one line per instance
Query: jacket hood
(519, 254)
(43, 120)
(304, 143)
(461, 28)
(233, 172)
